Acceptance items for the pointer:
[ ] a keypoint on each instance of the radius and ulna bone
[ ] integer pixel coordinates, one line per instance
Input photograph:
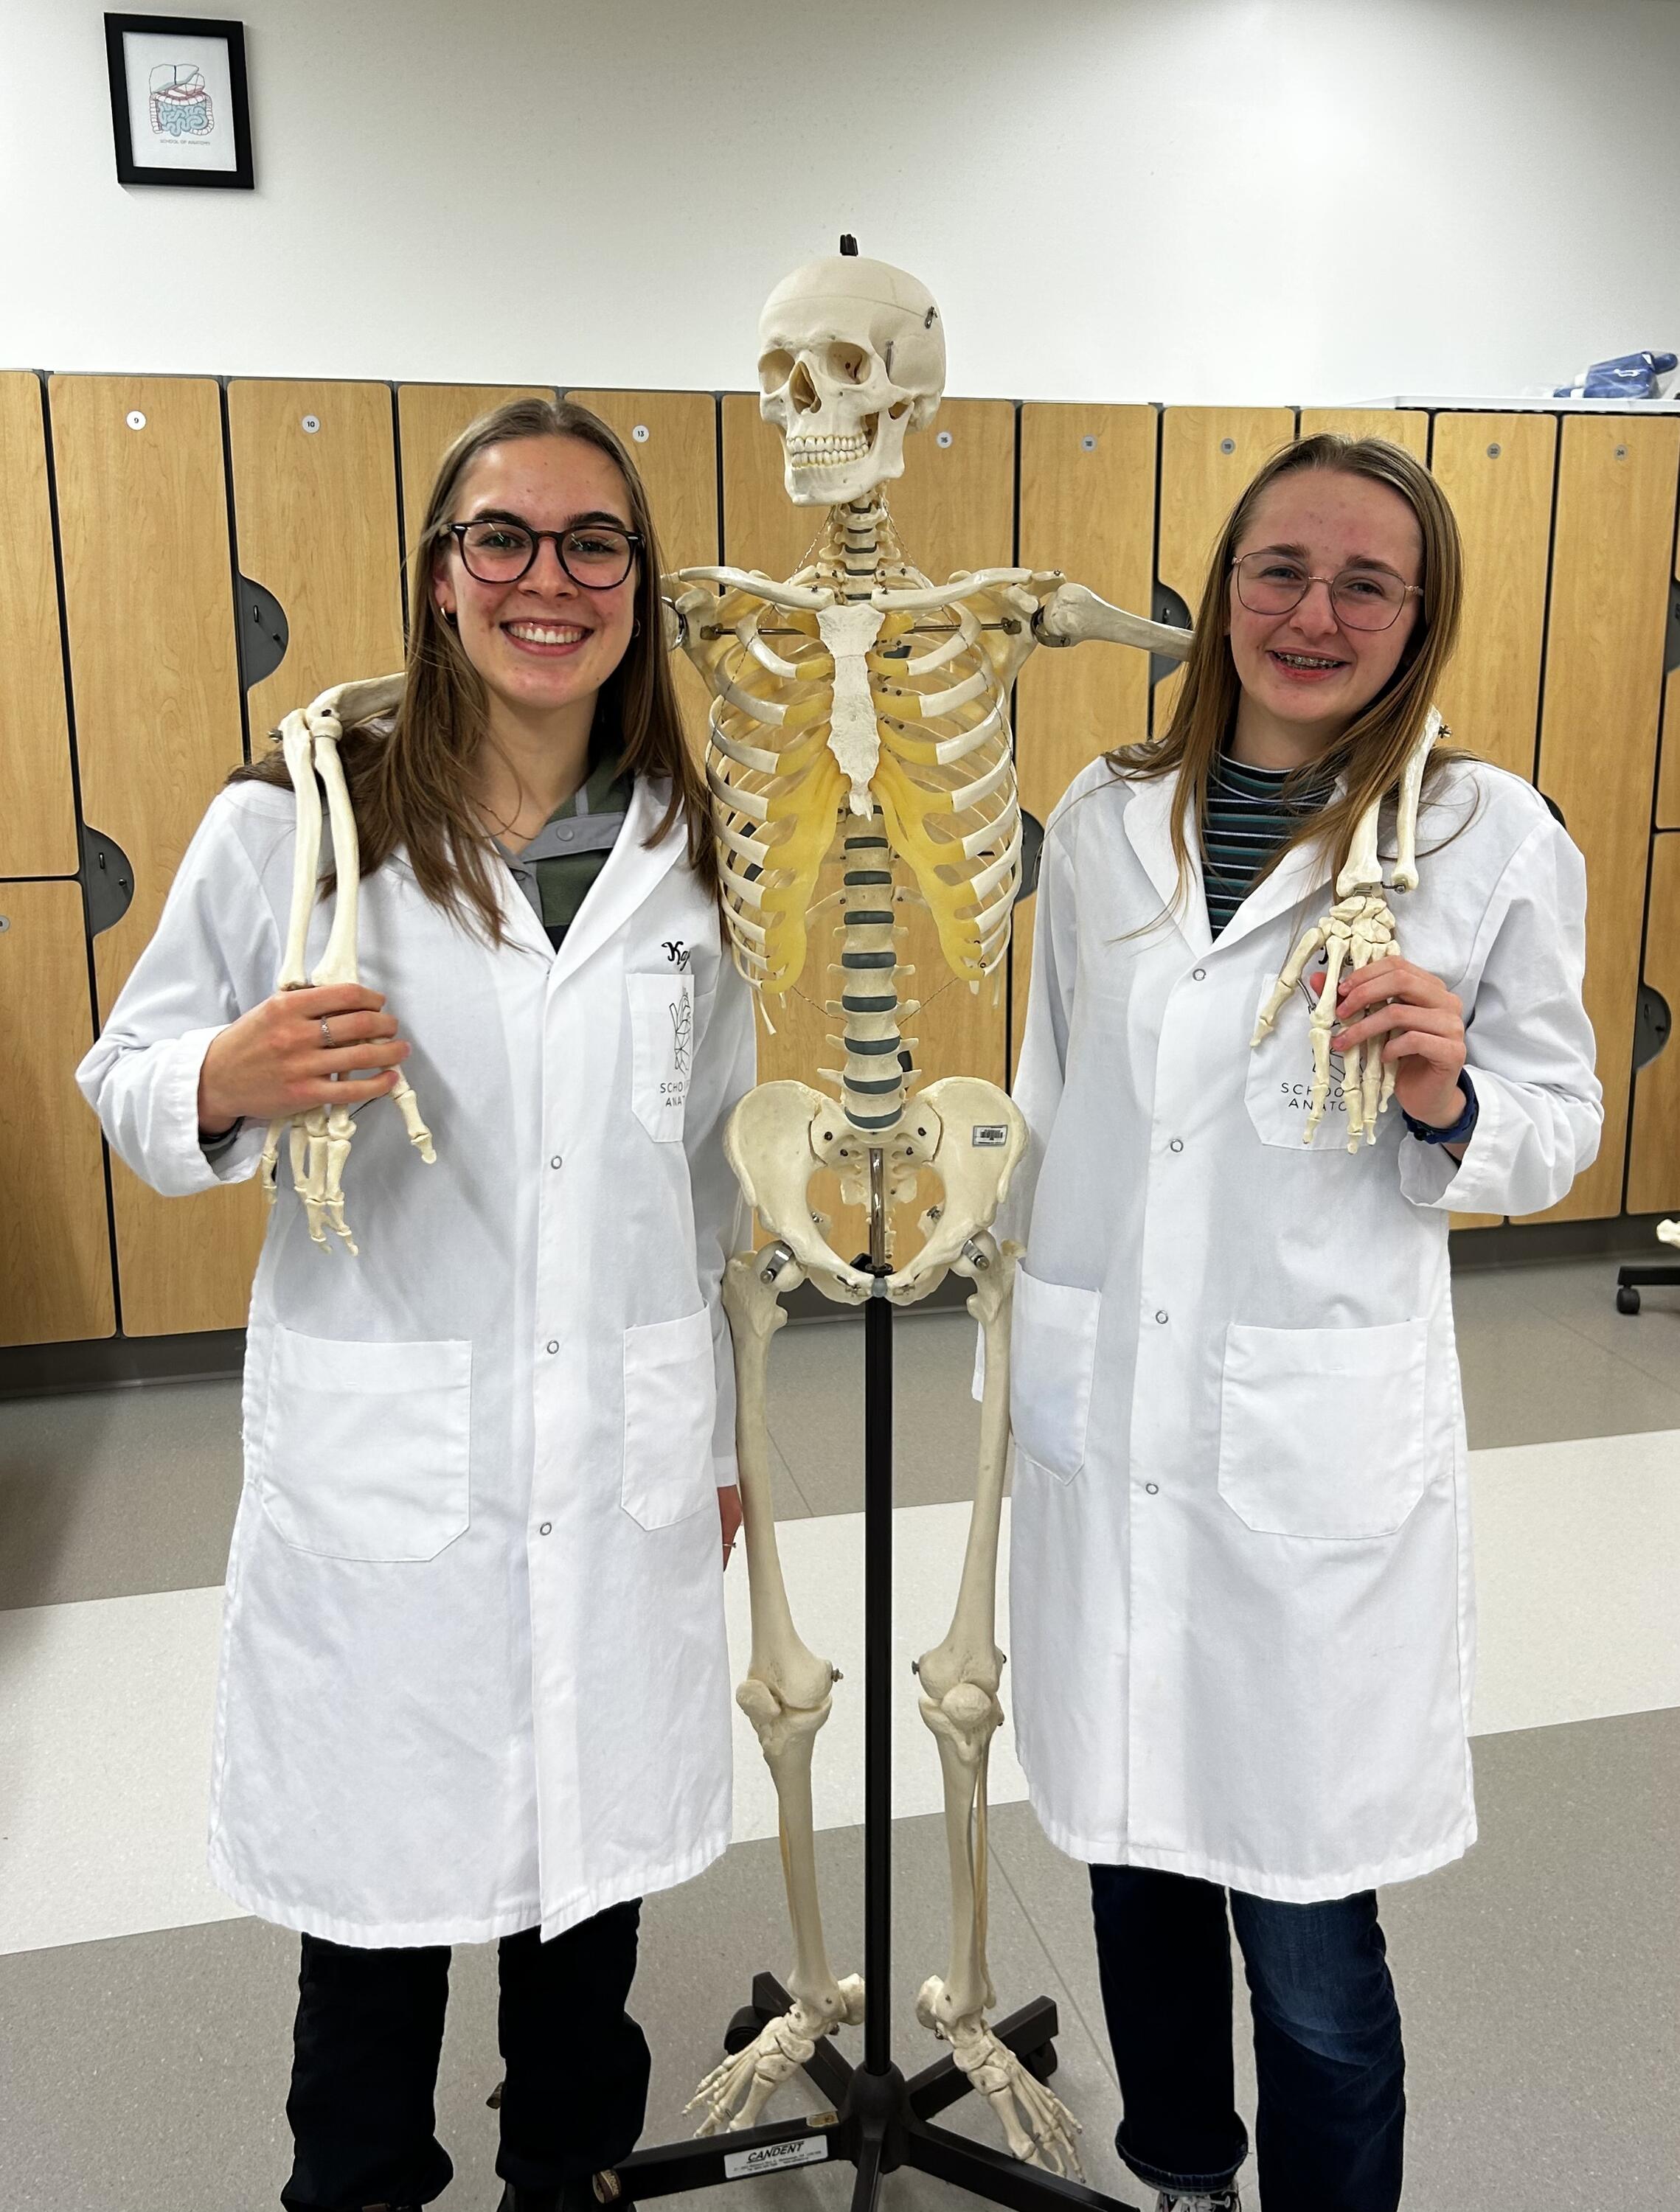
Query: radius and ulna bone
(319, 1137)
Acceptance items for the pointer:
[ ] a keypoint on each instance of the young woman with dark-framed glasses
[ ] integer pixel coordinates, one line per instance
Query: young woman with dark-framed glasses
(475, 1685)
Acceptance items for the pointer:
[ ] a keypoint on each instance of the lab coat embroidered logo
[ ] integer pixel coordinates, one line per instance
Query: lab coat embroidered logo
(677, 953)
(682, 1037)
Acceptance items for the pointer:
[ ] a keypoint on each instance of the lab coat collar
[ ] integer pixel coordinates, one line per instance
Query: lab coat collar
(630, 873)
(1148, 819)
(1300, 877)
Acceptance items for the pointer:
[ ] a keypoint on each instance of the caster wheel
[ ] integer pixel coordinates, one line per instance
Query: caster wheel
(1040, 2063)
(743, 2029)
(1626, 1299)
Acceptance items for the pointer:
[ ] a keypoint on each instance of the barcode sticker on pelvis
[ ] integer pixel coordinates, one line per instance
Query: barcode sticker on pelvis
(990, 1132)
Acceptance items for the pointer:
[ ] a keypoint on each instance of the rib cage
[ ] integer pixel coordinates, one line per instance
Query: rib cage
(944, 785)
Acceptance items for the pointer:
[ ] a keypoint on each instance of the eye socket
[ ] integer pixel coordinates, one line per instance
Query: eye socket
(847, 362)
(773, 370)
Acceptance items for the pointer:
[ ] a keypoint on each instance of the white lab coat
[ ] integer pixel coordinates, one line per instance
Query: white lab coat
(1241, 1588)
(473, 1675)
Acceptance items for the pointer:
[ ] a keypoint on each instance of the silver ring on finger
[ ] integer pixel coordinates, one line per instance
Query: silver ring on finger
(326, 1035)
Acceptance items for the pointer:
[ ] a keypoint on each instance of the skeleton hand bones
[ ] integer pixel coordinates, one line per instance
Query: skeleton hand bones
(1359, 932)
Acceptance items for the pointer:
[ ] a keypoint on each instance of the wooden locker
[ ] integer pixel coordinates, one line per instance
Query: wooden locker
(1668, 792)
(37, 796)
(1497, 471)
(1210, 455)
(673, 438)
(1603, 678)
(55, 1245)
(430, 419)
(143, 517)
(1653, 1165)
(1087, 506)
(314, 469)
(1401, 426)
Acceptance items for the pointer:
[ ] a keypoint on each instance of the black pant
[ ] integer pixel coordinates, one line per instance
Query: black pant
(369, 2029)
(1326, 2041)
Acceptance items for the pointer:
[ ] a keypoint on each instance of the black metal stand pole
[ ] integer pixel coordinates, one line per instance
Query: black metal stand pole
(881, 2120)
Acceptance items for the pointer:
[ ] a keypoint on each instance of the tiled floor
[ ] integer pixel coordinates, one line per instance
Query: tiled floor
(146, 2070)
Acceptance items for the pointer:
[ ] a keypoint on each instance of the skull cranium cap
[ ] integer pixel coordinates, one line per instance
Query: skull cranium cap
(896, 311)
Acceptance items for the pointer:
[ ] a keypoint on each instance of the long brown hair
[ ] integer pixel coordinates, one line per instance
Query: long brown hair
(409, 776)
(1371, 752)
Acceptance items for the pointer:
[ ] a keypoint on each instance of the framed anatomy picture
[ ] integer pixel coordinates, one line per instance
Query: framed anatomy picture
(179, 105)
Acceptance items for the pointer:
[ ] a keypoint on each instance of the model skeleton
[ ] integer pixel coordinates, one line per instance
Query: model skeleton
(856, 705)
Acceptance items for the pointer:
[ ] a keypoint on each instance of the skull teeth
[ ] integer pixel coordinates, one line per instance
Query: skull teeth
(810, 452)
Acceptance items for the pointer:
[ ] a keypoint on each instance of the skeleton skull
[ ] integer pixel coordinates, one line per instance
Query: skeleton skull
(851, 354)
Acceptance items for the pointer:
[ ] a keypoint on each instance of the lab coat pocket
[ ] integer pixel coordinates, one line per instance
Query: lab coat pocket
(1052, 1352)
(366, 1447)
(670, 1406)
(1278, 1088)
(661, 1009)
(1322, 1431)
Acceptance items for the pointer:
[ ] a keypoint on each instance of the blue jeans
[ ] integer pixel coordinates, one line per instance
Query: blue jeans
(1326, 2041)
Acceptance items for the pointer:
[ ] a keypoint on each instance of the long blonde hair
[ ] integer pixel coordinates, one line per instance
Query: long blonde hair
(409, 778)
(1372, 750)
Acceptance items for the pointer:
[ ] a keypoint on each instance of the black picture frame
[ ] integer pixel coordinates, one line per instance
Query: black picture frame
(241, 176)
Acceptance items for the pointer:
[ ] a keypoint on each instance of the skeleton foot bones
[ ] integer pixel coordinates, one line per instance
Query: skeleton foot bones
(1358, 929)
(319, 1138)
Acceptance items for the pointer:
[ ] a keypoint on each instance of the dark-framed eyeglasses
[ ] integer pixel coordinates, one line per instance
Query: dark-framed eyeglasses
(597, 555)
(1362, 598)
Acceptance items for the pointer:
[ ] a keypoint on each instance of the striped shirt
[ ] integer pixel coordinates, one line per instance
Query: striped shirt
(1248, 820)
(556, 868)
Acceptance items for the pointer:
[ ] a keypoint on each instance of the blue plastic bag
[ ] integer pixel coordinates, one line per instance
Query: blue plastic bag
(1630, 376)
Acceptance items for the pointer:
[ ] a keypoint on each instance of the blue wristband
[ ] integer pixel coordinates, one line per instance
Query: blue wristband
(1459, 1134)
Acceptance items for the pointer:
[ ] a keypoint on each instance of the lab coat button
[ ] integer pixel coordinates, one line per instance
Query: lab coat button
(1154, 1489)
(554, 1341)
(547, 1528)
(1176, 1145)
(555, 1161)
(1160, 1317)
(1200, 974)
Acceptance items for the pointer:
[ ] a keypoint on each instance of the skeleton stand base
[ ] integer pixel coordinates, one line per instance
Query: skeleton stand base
(1663, 1275)
(879, 2119)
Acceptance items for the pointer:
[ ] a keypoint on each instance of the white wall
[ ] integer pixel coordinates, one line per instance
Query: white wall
(1244, 200)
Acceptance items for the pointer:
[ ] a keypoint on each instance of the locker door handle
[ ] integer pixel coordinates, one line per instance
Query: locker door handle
(264, 632)
(1651, 1026)
(1170, 606)
(107, 879)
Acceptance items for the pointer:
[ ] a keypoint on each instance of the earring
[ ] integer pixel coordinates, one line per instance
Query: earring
(450, 616)
(636, 626)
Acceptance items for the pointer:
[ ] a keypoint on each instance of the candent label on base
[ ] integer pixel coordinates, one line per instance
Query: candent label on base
(769, 2158)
